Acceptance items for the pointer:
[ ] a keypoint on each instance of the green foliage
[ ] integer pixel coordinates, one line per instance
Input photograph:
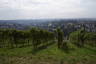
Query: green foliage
(60, 37)
(17, 38)
(50, 55)
(14, 38)
(39, 36)
(81, 37)
(78, 38)
(91, 38)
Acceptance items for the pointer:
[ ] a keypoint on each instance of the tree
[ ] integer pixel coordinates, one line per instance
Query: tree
(1, 38)
(12, 35)
(82, 37)
(60, 37)
(78, 37)
(34, 37)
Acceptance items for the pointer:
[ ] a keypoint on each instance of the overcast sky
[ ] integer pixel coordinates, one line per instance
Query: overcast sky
(33, 9)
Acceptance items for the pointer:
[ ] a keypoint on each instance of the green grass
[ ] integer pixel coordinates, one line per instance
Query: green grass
(50, 55)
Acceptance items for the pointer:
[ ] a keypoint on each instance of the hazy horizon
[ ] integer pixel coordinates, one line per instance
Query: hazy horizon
(47, 9)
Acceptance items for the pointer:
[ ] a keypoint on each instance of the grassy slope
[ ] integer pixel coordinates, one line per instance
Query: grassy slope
(50, 55)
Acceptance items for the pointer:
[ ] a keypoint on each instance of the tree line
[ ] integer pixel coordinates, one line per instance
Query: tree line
(82, 38)
(35, 37)
(16, 38)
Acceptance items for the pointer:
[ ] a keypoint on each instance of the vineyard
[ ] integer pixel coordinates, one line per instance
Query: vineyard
(39, 46)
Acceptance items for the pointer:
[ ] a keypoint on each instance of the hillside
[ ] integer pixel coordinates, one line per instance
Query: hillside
(39, 46)
(49, 55)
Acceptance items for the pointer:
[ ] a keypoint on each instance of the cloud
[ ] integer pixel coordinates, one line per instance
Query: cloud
(28, 9)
